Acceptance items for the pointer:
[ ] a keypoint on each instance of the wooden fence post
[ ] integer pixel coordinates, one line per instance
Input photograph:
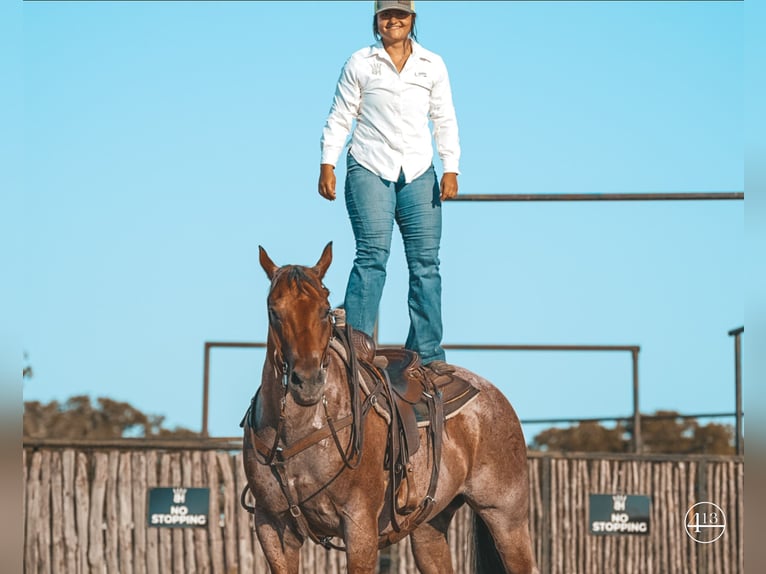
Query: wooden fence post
(701, 496)
(546, 529)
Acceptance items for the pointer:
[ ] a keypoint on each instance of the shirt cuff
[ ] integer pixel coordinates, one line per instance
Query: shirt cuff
(330, 155)
(450, 167)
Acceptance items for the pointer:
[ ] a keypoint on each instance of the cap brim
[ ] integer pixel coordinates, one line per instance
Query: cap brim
(399, 8)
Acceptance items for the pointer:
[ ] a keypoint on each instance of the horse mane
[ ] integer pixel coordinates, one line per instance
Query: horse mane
(301, 279)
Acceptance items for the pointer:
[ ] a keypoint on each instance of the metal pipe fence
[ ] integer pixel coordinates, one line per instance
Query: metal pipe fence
(633, 349)
(635, 418)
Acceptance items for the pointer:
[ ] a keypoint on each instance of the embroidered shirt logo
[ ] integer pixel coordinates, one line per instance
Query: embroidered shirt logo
(376, 69)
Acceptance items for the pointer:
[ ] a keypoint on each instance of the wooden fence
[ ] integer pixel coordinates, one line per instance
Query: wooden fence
(85, 511)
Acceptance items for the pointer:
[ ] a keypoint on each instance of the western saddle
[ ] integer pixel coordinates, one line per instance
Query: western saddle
(414, 396)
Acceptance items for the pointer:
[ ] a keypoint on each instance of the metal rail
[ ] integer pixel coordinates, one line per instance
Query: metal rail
(691, 196)
(632, 349)
(655, 417)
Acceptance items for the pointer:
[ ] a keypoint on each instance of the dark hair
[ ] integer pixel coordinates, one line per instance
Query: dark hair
(376, 34)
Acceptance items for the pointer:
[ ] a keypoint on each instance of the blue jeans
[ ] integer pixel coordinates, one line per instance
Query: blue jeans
(373, 205)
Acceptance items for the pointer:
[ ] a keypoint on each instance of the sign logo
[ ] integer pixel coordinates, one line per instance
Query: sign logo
(705, 522)
(178, 507)
(179, 495)
(619, 514)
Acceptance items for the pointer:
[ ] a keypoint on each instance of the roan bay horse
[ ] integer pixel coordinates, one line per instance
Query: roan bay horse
(317, 449)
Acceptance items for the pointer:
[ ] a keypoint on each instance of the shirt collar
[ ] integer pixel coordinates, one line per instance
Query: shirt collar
(377, 50)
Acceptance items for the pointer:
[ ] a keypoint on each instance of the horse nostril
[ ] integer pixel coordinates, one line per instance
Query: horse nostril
(317, 378)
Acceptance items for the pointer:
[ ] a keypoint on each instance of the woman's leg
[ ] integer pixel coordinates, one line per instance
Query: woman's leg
(419, 215)
(370, 202)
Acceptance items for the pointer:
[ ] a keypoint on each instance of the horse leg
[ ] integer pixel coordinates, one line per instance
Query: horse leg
(511, 540)
(361, 538)
(280, 545)
(429, 542)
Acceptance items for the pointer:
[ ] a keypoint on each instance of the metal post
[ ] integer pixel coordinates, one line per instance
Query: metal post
(206, 373)
(205, 389)
(739, 441)
(637, 443)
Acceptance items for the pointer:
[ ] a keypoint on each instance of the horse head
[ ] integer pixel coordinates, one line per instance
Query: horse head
(300, 325)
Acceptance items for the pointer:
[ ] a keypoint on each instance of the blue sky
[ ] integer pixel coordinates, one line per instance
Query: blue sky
(163, 142)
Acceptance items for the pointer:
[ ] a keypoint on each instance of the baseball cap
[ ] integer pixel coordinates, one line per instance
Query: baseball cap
(403, 5)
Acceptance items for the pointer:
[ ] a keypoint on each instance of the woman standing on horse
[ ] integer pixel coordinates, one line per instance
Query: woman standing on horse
(392, 89)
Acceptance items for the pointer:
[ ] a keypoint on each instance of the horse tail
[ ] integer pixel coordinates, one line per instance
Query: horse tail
(486, 557)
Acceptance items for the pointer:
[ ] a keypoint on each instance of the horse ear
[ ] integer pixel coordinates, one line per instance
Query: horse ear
(268, 265)
(324, 261)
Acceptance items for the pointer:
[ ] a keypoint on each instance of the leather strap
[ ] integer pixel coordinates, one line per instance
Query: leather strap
(276, 456)
(413, 520)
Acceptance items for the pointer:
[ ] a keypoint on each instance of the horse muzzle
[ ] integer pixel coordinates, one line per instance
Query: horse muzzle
(307, 389)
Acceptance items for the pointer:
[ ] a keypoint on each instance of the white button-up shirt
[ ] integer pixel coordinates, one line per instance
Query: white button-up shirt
(392, 111)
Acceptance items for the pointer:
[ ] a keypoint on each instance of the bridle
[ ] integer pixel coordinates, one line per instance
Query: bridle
(278, 359)
(276, 456)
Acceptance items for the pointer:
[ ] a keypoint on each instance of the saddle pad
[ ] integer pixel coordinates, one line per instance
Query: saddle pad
(456, 393)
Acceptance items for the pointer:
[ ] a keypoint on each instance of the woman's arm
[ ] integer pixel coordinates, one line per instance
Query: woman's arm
(442, 114)
(343, 112)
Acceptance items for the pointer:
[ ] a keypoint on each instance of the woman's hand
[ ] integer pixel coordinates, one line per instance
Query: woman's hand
(327, 181)
(448, 186)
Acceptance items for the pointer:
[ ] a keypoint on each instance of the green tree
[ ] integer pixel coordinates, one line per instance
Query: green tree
(78, 418)
(584, 437)
(664, 432)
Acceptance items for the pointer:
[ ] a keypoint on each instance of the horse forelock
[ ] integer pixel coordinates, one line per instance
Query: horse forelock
(300, 280)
